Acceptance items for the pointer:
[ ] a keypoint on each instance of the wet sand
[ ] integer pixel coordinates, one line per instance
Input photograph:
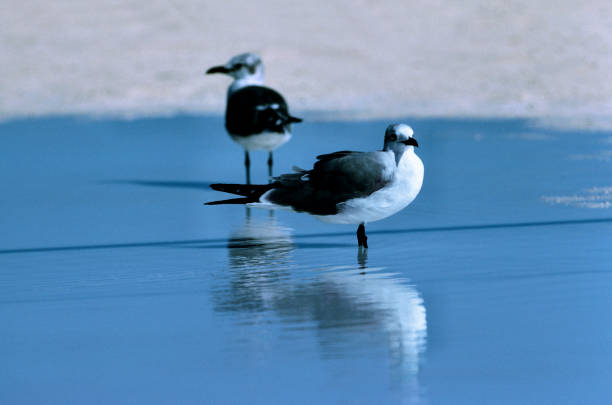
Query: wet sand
(117, 285)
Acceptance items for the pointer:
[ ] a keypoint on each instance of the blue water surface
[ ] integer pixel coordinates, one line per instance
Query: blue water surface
(117, 285)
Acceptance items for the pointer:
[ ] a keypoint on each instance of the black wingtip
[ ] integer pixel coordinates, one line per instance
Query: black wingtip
(294, 119)
(230, 201)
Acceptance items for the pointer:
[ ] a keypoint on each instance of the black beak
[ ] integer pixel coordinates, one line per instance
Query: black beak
(411, 141)
(217, 69)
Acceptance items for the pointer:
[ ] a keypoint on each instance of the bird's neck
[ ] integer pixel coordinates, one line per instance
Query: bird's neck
(410, 169)
(406, 159)
(256, 79)
(399, 154)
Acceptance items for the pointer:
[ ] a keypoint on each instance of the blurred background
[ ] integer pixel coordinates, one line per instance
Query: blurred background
(117, 285)
(360, 59)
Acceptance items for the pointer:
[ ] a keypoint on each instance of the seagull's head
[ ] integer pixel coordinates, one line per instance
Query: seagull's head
(241, 66)
(399, 138)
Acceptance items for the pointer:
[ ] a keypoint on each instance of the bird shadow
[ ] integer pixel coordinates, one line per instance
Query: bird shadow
(198, 185)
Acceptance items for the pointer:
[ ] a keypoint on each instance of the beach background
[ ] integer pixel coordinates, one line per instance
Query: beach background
(117, 285)
(351, 59)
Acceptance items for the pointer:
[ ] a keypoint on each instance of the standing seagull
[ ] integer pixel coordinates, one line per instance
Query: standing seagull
(256, 117)
(345, 187)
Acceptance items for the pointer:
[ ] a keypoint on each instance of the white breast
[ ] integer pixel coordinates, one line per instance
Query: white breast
(264, 141)
(385, 202)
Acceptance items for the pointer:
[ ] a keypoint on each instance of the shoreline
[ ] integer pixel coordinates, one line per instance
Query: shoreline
(589, 123)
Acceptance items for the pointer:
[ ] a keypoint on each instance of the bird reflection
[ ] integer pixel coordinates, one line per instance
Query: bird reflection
(259, 255)
(260, 242)
(351, 308)
(362, 258)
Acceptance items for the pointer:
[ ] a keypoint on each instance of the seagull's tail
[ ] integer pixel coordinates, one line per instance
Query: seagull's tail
(250, 192)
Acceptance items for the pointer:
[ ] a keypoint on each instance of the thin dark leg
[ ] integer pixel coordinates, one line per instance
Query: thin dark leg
(270, 163)
(362, 239)
(247, 166)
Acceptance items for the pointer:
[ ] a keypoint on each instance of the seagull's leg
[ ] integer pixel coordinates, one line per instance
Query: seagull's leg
(270, 163)
(247, 166)
(362, 239)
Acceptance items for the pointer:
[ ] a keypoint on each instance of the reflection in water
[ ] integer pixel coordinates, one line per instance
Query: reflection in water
(351, 311)
(380, 303)
(259, 252)
(362, 258)
(259, 243)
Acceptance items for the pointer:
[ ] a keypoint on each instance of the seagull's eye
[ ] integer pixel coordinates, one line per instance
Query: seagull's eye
(238, 66)
(393, 137)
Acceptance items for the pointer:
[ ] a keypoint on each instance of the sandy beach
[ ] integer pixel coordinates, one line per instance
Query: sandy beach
(348, 59)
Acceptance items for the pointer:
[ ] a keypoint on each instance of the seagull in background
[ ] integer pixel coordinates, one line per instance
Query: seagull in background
(344, 187)
(256, 116)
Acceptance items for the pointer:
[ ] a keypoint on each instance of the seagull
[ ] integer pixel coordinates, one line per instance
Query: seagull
(344, 187)
(256, 116)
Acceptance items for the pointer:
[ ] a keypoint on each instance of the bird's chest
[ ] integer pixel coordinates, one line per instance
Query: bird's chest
(396, 195)
(408, 180)
(264, 141)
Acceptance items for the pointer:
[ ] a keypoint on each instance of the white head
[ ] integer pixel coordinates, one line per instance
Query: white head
(246, 66)
(399, 139)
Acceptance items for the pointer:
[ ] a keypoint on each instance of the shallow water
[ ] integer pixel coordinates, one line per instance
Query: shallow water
(118, 286)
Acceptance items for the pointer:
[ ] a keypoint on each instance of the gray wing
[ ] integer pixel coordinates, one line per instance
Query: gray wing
(335, 178)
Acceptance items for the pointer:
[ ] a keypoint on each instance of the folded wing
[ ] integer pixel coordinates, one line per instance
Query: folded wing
(256, 109)
(335, 178)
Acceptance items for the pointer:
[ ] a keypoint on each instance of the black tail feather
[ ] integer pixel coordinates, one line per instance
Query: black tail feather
(250, 192)
(230, 201)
